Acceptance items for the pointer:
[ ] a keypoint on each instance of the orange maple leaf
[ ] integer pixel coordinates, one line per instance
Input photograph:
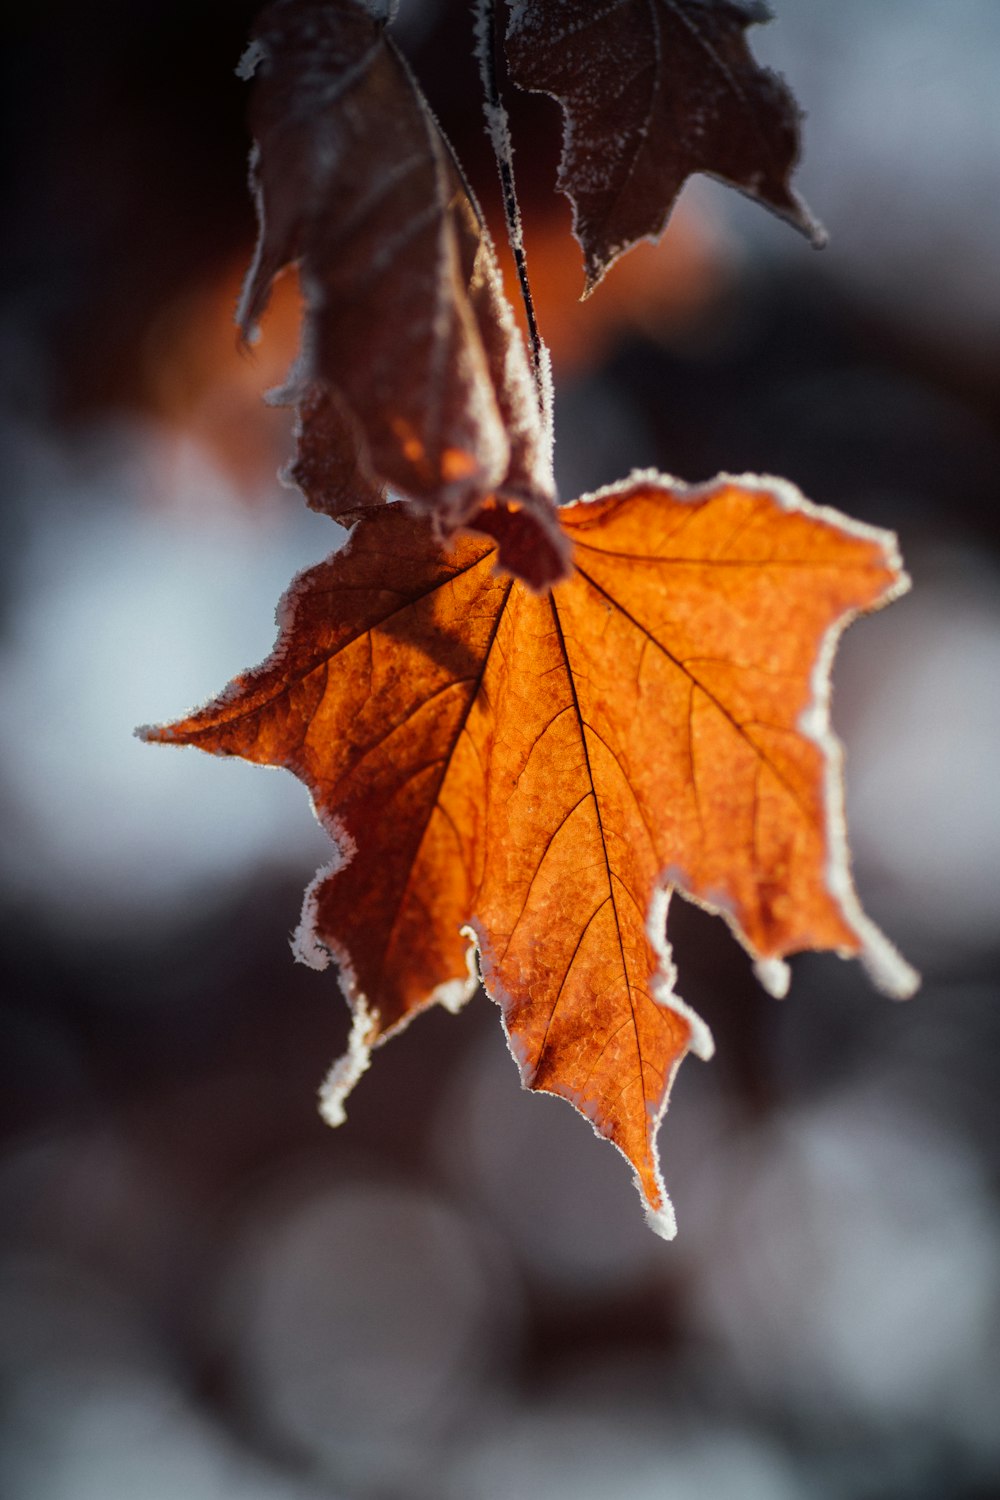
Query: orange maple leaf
(532, 774)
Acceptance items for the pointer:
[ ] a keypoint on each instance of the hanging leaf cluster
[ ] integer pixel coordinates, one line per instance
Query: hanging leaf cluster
(526, 724)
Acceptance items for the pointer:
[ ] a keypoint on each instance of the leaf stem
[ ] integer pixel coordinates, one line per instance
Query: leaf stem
(498, 129)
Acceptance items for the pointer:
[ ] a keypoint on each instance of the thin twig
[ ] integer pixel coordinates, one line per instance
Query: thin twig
(498, 129)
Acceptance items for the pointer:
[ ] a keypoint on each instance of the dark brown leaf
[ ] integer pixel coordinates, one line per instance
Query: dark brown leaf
(652, 91)
(408, 334)
(327, 466)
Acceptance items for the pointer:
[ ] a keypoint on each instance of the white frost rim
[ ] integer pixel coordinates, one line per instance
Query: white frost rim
(345, 1071)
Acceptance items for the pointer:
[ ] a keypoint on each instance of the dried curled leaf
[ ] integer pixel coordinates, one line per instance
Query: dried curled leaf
(652, 91)
(540, 771)
(410, 348)
(328, 467)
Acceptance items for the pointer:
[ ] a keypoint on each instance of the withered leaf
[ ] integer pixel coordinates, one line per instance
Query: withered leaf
(328, 467)
(539, 771)
(408, 336)
(652, 91)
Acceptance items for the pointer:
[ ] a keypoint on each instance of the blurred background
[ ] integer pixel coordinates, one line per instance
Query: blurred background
(206, 1293)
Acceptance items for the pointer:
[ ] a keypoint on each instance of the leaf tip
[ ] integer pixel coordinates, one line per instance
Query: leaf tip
(885, 965)
(593, 275)
(814, 230)
(158, 734)
(774, 975)
(662, 1220)
(346, 1071)
(788, 207)
(700, 1039)
(819, 236)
